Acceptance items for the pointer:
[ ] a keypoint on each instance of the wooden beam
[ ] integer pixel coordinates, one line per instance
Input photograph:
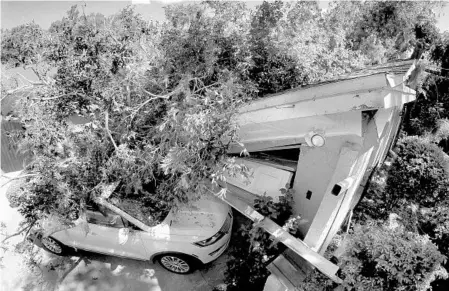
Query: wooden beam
(242, 207)
(298, 246)
(242, 194)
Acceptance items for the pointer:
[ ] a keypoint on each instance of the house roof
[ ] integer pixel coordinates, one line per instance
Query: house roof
(401, 67)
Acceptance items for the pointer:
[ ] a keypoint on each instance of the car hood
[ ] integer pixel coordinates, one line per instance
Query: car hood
(202, 218)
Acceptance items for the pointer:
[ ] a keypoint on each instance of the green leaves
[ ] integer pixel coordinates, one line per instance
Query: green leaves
(419, 174)
(382, 258)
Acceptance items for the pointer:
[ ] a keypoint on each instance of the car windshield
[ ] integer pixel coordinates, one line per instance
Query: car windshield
(144, 209)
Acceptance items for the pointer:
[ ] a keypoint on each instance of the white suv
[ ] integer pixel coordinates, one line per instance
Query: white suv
(190, 235)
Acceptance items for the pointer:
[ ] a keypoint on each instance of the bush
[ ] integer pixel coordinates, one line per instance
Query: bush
(251, 252)
(419, 174)
(253, 248)
(433, 222)
(386, 258)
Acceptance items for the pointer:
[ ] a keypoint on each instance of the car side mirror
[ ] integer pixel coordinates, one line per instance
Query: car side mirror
(123, 235)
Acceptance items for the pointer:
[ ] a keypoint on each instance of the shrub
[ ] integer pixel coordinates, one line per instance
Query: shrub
(253, 248)
(419, 173)
(433, 222)
(386, 258)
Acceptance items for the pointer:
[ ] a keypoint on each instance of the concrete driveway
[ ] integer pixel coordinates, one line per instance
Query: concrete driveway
(111, 273)
(98, 274)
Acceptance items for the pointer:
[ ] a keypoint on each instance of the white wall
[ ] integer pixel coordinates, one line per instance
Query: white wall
(316, 166)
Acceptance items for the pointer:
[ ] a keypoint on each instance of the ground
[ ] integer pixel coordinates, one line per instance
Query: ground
(102, 273)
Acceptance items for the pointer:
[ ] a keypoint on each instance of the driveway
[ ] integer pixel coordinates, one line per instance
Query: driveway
(97, 273)
(111, 273)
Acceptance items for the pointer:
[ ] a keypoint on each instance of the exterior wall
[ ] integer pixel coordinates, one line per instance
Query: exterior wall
(316, 167)
(388, 122)
(330, 204)
(378, 135)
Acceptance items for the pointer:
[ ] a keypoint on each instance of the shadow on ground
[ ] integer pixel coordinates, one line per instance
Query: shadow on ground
(112, 273)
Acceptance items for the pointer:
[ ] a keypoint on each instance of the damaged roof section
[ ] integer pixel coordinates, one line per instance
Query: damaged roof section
(356, 117)
(332, 107)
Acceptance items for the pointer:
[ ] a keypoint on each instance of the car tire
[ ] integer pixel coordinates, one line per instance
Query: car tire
(54, 246)
(177, 263)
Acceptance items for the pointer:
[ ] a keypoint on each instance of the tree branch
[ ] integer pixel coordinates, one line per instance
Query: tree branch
(128, 96)
(26, 228)
(11, 179)
(29, 81)
(52, 98)
(39, 76)
(204, 87)
(67, 272)
(12, 91)
(63, 95)
(106, 117)
(160, 96)
(28, 231)
(154, 98)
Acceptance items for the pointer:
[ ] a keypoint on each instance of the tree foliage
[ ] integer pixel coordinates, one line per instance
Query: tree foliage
(385, 258)
(159, 129)
(432, 105)
(22, 44)
(417, 175)
(385, 30)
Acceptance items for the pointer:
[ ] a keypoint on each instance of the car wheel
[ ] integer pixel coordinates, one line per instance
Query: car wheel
(175, 263)
(53, 246)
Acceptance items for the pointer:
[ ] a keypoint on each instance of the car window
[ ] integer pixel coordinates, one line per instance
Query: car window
(130, 225)
(105, 218)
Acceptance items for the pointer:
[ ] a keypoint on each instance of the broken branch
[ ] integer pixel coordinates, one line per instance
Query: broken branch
(12, 91)
(66, 273)
(29, 81)
(154, 98)
(26, 228)
(15, 178)
(106, 117)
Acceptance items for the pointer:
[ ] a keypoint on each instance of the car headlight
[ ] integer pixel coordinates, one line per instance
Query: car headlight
(211, 240)
(223, 230)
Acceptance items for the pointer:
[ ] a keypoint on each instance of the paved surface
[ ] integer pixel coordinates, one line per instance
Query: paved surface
(102, 273)
(110, 273)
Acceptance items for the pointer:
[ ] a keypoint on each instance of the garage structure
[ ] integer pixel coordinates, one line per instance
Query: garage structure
(324, 140)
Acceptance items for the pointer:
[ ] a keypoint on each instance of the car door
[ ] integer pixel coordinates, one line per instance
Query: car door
(107, 235)
(151, 243)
